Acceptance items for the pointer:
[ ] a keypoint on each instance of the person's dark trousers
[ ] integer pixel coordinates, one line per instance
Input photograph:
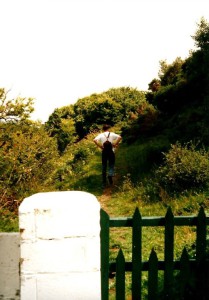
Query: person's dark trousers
(108, 160)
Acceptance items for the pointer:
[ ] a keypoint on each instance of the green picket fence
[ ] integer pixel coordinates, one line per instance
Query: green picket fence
(193, 274)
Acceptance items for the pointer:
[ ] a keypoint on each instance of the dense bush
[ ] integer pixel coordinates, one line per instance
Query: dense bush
(27, 158)
(185, 167)
(114, 106)
(61, 126)
(140, 123)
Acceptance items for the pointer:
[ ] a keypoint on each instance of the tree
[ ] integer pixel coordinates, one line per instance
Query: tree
(184, 81)
(170, 73)
(183, 97)
(129, 98)
(14, 110)
(95, 110)
(27, 154)
(196, 67)
(154, 85)
(113, 106)
(61, 126)
(201, 36)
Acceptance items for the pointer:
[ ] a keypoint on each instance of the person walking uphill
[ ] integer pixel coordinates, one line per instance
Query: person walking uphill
(107, 141)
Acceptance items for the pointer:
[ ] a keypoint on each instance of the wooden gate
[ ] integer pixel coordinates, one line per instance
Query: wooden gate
(192, 281)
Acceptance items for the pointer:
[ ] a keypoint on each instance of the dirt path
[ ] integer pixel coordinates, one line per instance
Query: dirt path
(107, 194)
(105, 198)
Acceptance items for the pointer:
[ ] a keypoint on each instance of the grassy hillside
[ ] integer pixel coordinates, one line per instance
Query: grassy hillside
(134, 186)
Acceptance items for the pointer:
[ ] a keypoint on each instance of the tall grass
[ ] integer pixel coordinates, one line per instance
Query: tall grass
(139, 159)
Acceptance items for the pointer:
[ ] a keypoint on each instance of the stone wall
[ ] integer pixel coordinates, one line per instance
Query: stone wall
(9, 266)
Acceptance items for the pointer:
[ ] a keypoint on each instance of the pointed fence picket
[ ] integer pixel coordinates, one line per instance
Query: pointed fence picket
(120, 276)
(193, 273)
(153, 276)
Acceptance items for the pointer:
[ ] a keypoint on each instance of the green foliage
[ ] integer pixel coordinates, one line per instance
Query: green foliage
(8, 221)
(175, 108)
(201, 36)
(186, 81)
(168, 93)
(27, 154)
(154, 85)
(72, 164)
(130, 100)
(14, 110)
(61, 126)
(113, 106)
(95, 110)
(140, 123)
(185, 167)
(195, 68)
(140, 158)
(170, 73)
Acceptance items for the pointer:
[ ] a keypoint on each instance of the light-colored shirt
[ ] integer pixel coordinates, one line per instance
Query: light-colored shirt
(102, 137)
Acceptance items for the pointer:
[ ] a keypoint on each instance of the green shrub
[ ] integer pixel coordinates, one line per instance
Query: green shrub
(28, 157)
(185, 167)
(8, 221)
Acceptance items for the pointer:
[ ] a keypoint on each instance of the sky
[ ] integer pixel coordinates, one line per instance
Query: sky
(58, 51)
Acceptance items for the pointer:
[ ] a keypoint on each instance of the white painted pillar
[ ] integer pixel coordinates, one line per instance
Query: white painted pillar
(60, 246)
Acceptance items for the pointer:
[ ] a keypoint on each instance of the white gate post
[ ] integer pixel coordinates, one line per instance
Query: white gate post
(60, 246)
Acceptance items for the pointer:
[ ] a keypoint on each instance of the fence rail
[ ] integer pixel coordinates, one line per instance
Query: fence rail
(193, 277)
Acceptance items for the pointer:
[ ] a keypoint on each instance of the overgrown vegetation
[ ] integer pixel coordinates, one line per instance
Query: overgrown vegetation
(163, 160)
